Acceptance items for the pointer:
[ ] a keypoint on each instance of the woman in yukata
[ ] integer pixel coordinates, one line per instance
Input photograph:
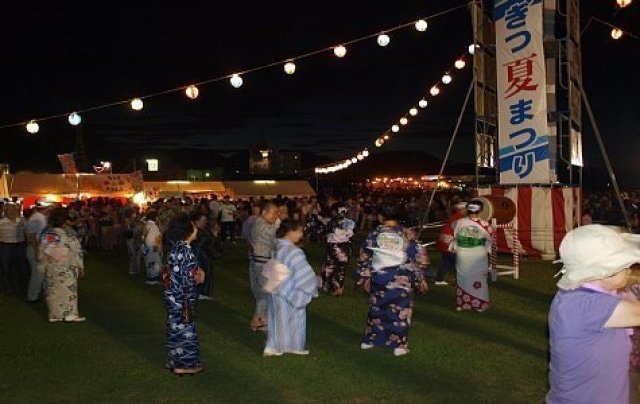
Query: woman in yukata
(180, 295)
(289, 296)
(61, 260)
(390, 267)
(472, 244)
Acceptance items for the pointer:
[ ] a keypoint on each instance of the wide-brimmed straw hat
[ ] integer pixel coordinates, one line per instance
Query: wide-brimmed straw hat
(595, 252)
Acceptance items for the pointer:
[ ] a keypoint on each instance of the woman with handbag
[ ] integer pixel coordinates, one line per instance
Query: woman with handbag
(180, 295)
(290, 294)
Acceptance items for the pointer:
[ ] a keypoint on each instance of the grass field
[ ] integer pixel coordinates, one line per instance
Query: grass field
(500, 356)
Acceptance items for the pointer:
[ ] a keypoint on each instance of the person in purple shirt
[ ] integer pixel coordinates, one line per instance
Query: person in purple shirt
(588, 320)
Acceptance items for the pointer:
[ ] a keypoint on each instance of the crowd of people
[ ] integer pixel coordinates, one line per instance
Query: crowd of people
(41, 256)
(603, 207)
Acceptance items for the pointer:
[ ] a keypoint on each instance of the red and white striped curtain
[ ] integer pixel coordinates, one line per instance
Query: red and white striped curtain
(545, 215)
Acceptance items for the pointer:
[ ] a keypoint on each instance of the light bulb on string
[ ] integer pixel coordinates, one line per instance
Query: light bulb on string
(434, 91)
(616, 33)
(423, 103)
(623, 3)
(460, 64)
(365, 153)
(359, 156)
(290, 67)
(446, 78)
(395, 129)
(74, 119)
(378, 142)
(404, 120)
(421, 25)
(347, 162)
(472, 48)
(340, 51)
(137, 104)
(192, 92)
(386, 137)
(32, 127)
(236, 81)
(413, 111)
(383, 40)
(354, 160)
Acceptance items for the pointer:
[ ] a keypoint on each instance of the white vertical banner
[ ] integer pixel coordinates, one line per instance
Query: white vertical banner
(523, 140)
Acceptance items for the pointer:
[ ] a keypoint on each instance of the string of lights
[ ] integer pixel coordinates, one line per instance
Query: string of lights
(384, 138)
(236, 79)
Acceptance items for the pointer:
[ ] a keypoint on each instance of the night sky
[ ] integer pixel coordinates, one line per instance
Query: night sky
(60, 56)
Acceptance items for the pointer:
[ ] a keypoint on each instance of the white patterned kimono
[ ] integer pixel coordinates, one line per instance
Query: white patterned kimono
(287, 304)
(60, 259)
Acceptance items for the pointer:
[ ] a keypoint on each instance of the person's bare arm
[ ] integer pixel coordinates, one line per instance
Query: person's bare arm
(626, 314)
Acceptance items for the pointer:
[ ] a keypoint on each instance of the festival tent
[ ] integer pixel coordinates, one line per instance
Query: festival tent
(178, 188)
(67, 187)
(269, 189)
(543, 216)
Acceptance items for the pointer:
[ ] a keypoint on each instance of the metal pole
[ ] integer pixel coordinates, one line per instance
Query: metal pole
(446, 156)
(605, 156)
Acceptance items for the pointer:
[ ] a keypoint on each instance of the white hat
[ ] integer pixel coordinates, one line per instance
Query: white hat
(595, 252)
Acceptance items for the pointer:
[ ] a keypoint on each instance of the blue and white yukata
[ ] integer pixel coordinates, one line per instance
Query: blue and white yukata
(183, 351)
(287, 304)
(394, 266)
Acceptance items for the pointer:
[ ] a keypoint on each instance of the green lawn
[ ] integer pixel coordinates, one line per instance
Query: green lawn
(499, 356)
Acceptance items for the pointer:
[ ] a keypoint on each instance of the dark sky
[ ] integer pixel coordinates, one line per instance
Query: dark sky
(62, 56)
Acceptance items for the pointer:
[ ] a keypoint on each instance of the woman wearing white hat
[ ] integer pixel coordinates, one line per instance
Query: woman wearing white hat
(588, 320)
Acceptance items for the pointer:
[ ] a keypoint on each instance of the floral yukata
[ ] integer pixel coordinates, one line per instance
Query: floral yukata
(180, 295)
(61, 260)
(394, 265)
(336, 257)
(472, 243)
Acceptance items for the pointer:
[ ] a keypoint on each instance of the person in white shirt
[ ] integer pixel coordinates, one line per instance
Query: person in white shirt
(13, 267)
(34, 228)
(152, 249)
(214, 209)
(228, 213)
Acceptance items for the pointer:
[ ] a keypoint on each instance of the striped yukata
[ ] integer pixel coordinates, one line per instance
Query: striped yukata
(287, 305)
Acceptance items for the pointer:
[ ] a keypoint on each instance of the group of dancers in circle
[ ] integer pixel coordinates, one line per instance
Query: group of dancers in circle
(391, 267)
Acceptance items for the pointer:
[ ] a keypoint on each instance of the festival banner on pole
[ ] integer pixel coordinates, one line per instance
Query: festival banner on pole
(68, 165)
(522, 106)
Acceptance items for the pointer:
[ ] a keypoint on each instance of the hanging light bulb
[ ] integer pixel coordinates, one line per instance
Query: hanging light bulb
(137, 104)
(290, 67)
(460, 64)
(616, 33)
(378, 142)
(359, 156)
(74, 119)
(236, 81)
(413, 111)
(386, 137)
(383, 40)
(354, 160)
(421, 25)
(395, 129)
(423, 103)
(404, 121)
(623, 3)
(446, 78)
(365, 153)
(347, 162)
(192, 92)
(434, 91)
(32, 127)
(472, 48)
(340, 51)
